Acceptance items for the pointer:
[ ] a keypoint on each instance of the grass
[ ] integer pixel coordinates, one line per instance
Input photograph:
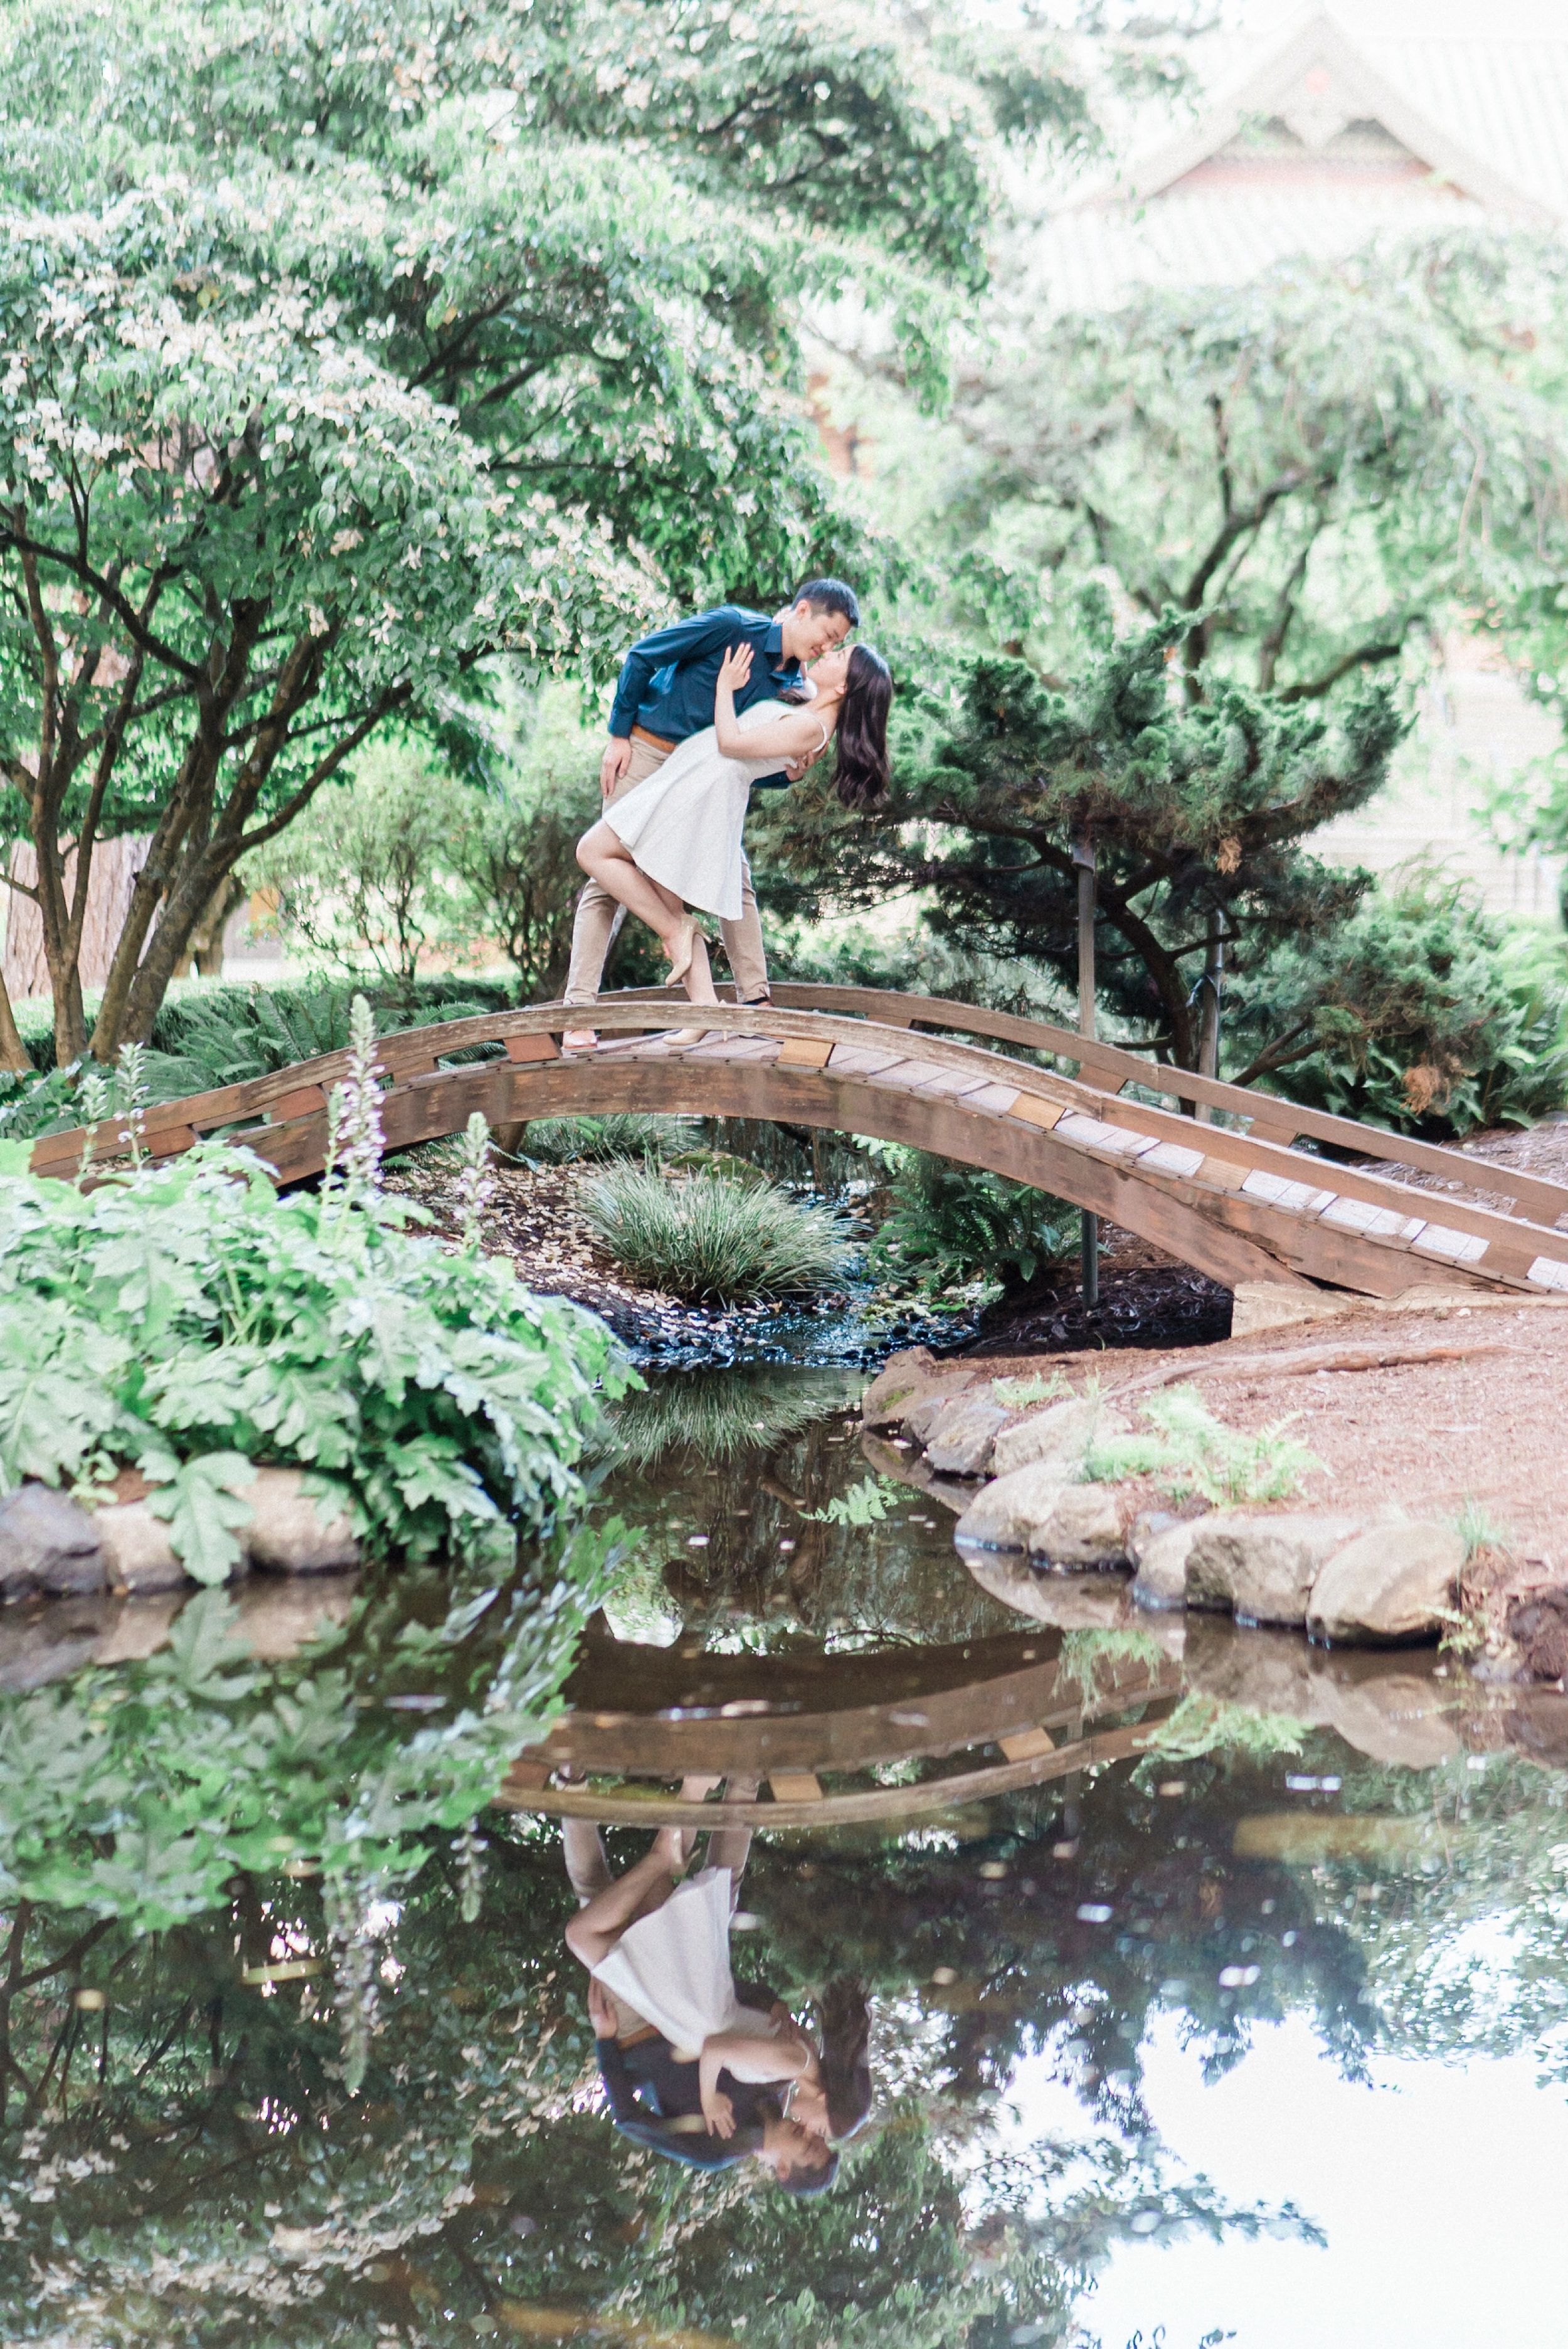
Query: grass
(1191, 1452)
(711, 1240)
(1017, 1394)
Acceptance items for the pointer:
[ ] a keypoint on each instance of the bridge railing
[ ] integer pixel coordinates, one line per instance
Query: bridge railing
(289, 1095)
(1110, 1068)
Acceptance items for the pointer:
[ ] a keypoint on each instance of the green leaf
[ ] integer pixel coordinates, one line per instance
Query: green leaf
(202, 1506)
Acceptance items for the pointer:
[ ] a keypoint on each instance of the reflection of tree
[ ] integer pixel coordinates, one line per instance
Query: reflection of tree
(202, 2144)
(1491, 1862)
(891, 1581)
(185, 2160)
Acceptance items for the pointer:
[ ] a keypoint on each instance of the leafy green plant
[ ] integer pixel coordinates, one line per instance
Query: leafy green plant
(1192, 1453)
(711, 1239)
(190, 1321)
(951, 1224)
(865, 1503)
(1204, 1724)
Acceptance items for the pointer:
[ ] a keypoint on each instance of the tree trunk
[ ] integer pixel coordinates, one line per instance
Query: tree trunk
(1209, 1010)
(13, 1053)
(204, 952)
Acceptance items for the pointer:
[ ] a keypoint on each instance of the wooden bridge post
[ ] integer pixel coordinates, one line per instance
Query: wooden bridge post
(1209, 1014)
(1089, 1224)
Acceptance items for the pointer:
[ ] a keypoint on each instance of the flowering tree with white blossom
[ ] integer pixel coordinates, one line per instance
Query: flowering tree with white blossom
(348, 348)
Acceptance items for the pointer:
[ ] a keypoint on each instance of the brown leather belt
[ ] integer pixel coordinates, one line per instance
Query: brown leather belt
(654, 741)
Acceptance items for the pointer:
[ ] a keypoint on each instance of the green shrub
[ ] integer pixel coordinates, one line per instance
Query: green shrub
(1421, 1014)
(952, 1226)
(190, 1322)
(711, 1239)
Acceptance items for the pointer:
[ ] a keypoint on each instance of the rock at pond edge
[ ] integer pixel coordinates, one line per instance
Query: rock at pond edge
(1060, 1432)
(1393, 1583)
(1040, 1509)
(1158, 1547)
(1263, 1569)
(48, 1544)
(959, 1439)
(290, 1532)
(140, 1554)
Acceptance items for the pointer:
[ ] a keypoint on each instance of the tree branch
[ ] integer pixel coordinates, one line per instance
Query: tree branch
(1363, 656)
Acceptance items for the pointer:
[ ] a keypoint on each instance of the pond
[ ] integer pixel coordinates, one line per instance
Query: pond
(1224, 1999)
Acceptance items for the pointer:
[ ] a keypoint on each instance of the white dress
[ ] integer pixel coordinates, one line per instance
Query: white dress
(672, 1967)
(683, 822)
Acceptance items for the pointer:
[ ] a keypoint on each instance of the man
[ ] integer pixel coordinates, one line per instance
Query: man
(666, 694)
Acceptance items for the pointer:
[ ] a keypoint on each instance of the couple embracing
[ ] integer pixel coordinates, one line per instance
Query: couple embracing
(703, 711)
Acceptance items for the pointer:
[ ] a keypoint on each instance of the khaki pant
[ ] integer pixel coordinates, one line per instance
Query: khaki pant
(599, 917)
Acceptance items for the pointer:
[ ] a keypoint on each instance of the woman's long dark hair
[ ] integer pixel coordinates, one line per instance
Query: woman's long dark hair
(861, 776)
(846, 2041)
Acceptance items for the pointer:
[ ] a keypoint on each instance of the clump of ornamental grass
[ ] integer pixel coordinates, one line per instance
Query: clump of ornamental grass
(188, 1321)
(709, 1239)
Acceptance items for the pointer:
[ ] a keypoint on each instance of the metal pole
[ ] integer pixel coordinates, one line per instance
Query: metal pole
(1209, 1015)
(1088, 1226)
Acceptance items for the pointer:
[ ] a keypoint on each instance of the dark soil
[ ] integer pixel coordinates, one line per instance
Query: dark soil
(1146, 1299)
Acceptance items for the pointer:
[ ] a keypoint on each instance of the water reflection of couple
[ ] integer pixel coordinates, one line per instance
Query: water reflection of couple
(703, 711)
(696, 2066)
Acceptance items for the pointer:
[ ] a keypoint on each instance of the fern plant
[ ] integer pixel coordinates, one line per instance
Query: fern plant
(1195, 1455)
(951, 1224)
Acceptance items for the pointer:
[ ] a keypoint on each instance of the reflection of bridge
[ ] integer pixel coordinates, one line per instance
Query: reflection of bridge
(641, 1718)
(1237, 1204)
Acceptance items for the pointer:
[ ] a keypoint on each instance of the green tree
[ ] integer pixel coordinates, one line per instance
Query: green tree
(1323, 468)
(1197, 813)
(368, 875)
(353, 346)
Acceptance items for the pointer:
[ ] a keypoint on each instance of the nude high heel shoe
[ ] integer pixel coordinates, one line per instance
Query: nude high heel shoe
(681, 952)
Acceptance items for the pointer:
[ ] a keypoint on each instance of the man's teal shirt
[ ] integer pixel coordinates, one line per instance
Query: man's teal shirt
(668, 680)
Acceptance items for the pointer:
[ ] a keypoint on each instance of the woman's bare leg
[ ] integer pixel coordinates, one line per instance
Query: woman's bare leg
(595, 1929)
(605, 857)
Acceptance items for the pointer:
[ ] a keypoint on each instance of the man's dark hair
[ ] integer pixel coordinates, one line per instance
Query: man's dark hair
(816, 2181)
(830, 595)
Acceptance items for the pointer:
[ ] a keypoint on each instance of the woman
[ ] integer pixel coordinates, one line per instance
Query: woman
(670, 2022)
(674, 841)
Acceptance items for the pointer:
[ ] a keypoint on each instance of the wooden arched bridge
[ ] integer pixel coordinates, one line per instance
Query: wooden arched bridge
(829, 1740)
(1239, 1200)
